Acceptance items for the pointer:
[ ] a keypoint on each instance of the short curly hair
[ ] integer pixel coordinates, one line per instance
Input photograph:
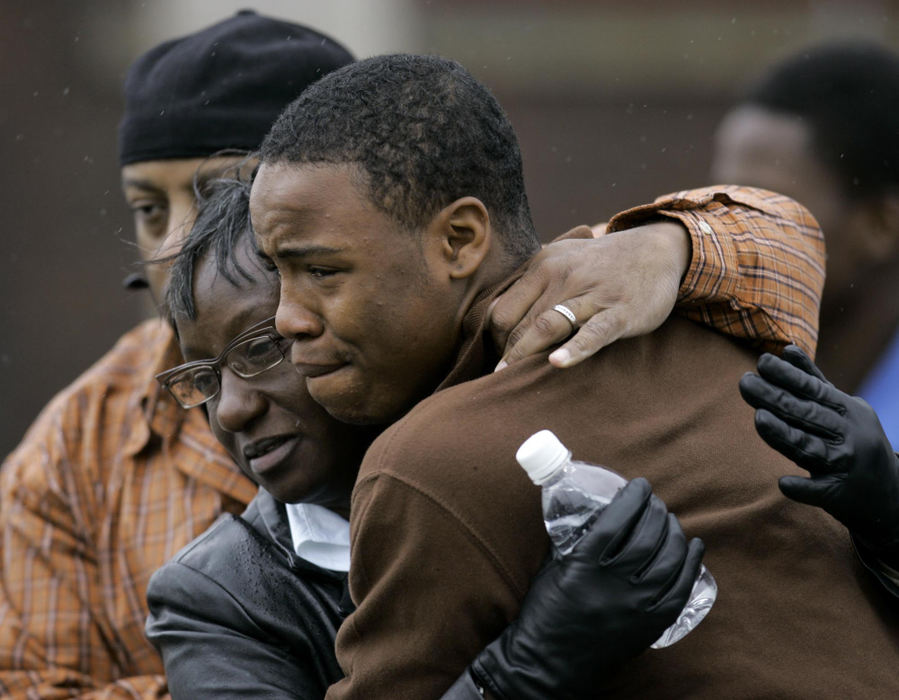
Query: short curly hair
(847, 94)
(424, 132)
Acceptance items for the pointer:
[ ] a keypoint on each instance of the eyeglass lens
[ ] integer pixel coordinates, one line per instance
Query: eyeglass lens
(247, 359)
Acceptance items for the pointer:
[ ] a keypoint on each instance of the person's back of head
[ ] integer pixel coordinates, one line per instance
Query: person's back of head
(819, 126)
(847, 94)
(423, 131)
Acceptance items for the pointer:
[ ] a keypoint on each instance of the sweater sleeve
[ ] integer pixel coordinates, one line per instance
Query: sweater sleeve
(757, 265)
(407, 639)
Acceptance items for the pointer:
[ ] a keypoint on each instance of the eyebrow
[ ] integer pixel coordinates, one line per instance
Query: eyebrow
(140, 184)
(305, 251)
(200, 178)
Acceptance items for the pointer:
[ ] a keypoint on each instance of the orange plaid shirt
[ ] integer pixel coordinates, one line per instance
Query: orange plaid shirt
(92, 502)
(114, 478)
(757, 268)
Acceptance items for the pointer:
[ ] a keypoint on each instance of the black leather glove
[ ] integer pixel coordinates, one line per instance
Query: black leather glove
(623, 584)
(854, 473)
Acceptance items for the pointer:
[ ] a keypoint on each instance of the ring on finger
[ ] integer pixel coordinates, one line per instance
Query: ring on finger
(568, 314)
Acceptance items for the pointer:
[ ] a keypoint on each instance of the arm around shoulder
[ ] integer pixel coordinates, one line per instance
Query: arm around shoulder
(757, 264)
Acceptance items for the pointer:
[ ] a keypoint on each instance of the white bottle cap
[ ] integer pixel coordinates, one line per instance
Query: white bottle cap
(541, 455)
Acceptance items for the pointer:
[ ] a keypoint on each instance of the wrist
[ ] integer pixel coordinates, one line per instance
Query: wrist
(674, 239)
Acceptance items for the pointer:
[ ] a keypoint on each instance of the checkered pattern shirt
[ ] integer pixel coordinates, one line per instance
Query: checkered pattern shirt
(111, 481)
(757, 268)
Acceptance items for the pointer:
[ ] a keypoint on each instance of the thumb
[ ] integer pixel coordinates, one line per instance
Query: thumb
(801, 490)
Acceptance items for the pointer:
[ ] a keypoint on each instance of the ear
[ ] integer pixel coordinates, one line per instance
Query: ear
(465, 234)
(877, 223)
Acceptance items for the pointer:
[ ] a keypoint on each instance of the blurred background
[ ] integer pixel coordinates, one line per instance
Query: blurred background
(613, 105)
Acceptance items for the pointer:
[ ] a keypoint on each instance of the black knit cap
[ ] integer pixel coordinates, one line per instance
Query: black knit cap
(221, 87)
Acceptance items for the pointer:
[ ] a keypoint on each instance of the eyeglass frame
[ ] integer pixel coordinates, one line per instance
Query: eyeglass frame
(259, 330)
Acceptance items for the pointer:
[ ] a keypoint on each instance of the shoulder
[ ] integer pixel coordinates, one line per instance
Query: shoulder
(223, 566)
(458, 446)
(229, 543)
(79, 415)
(232, 573)
(488, 417)
(133, 359)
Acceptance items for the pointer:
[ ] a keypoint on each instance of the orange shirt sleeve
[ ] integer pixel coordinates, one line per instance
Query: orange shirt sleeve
(757, 265)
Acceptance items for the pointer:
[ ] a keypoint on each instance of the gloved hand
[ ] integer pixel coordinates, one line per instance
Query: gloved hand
(623, 584)
(854, 473)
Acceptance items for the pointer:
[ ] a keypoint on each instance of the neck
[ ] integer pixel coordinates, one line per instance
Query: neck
(495, 269)
(857, 326)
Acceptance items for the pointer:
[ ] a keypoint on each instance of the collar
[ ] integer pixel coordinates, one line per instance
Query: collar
(156, 421)
(319, 535)
(152, 411)
(276, 525)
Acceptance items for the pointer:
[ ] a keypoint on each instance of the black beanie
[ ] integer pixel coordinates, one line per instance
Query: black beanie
(221, 87)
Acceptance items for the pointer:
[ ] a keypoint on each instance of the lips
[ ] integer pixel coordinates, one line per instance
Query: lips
(266, 454)
(311, 371)
(314, 364)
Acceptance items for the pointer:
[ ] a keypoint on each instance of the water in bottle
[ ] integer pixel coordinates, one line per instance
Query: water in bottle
(573, 495)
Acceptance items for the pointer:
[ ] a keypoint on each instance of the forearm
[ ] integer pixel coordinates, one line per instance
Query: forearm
(756, 267)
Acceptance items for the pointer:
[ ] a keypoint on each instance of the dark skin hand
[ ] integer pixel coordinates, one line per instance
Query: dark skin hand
(618, 285)
(837, 438)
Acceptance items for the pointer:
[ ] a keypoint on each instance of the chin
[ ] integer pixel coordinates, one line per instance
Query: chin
(287, 493)
(360, 414)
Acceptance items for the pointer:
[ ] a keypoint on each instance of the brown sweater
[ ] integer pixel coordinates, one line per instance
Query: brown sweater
(447, 530)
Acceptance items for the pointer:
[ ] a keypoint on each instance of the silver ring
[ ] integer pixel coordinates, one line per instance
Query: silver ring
(567, 313)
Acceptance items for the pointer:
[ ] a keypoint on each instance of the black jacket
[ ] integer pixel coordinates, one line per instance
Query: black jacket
(237, 614)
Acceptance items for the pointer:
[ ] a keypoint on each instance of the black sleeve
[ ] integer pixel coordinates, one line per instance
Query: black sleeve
(213, 648)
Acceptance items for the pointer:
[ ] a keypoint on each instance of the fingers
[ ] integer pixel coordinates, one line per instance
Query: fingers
(675, 596)
(540, 332)
(602, 329)
(797, 357)
(614, 524)
(797, 380)
(638, 550)
(802, 490)
(809, 451)
(798, 411)
(666, 557)
(508, 310)
(550, 277)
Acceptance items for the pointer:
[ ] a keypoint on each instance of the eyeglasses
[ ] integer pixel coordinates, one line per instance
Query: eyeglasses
(251, 353)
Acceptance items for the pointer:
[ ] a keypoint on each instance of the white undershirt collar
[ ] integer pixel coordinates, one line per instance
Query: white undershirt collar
(319, 535)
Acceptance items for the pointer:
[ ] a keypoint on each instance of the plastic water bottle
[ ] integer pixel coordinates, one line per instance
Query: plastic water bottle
(574, 493)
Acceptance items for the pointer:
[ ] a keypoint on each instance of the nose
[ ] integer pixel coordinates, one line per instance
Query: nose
(294, 319)
(238, 403)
